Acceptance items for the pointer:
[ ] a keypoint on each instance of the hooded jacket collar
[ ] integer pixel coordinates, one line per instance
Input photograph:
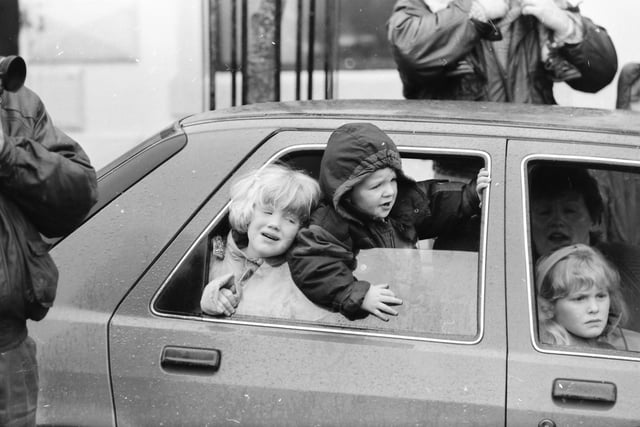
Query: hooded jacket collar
(237, 244)
(353, 152)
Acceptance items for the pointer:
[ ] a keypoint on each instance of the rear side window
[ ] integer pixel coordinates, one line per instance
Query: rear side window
(585, 248)
(437, 278)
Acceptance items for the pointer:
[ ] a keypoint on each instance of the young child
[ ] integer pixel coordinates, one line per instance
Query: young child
(370, 203)
(579, 299)
(248, 271)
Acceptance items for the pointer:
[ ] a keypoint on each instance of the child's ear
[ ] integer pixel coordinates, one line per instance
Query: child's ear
(546, 309)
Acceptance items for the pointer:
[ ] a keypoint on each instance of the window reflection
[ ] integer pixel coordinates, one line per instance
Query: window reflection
(585, 216)
(438, 283)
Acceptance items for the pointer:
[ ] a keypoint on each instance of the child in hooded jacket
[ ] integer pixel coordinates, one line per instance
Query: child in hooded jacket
(370, 203)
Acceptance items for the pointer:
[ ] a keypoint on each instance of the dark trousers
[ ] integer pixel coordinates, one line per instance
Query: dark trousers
(19, 385)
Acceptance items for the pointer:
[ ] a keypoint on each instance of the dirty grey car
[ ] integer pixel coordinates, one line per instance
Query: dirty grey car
(126, 343)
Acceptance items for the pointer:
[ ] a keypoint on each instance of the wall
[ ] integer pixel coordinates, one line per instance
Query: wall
(113, 73)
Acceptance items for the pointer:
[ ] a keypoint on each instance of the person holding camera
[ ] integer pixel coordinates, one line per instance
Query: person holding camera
(491, 50)
(47, 186)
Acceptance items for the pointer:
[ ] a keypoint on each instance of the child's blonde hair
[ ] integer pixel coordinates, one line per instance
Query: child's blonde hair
(275, 186)
(572, 269)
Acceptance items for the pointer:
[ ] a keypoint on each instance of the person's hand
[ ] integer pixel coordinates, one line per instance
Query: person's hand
(494, 9)
(220, 296)
(482, 183)
(549, 14)
(377, 300)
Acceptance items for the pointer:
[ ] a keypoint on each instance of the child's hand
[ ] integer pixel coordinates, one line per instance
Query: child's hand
(220, 296)
(482, 182)
(376, 301)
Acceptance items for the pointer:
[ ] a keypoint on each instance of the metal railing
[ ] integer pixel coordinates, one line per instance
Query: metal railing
(230, 23)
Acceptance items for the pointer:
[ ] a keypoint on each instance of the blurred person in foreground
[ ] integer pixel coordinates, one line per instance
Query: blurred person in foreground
(492, 50)
(628, 97)
(47, 186)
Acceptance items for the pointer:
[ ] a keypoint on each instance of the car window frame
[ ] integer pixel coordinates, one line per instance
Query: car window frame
(310, 327)
(607, 163)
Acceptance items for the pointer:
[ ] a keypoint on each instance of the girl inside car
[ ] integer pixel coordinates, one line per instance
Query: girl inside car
(579, 299)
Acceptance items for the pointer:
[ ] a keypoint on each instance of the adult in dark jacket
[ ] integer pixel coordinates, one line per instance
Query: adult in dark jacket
(47, 186)
(323, 258)
(500, 47)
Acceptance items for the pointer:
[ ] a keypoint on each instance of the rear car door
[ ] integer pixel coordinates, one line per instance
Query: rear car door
(552, 385)
(446, 365)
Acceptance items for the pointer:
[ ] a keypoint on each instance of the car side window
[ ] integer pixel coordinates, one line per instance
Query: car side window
(438, 283)
(585, 249)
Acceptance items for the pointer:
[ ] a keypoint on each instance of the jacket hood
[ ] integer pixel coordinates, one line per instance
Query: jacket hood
(353, 152)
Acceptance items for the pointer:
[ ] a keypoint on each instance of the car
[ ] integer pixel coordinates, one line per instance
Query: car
(127, 344)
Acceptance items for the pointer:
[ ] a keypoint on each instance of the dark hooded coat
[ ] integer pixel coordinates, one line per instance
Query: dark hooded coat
(323, 258)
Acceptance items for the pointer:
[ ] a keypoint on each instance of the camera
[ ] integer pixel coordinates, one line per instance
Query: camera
(13, 72)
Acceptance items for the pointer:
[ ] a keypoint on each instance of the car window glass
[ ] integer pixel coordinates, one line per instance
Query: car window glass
(438, 283)
(573, 204)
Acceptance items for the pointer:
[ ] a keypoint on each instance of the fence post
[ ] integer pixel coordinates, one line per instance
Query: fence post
(262, 72)
(213, 51)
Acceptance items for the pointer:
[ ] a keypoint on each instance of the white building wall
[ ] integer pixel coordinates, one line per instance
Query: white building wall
(112, 73)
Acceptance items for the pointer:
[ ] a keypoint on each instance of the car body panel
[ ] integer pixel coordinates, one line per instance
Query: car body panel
(117, 245)
(102, 349)
(528, 401)
(271, 373)
(501, 116)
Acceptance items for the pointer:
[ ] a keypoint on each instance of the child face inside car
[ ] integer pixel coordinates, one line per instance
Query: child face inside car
(584, 312)
(271, 231)
(375, 195)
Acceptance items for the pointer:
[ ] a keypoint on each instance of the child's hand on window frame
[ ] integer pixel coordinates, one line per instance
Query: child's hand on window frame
(482, 183)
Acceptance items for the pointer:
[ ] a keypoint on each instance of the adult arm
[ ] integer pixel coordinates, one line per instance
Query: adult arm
(425, 43)
(584, 44)
(595, 56)
(43, 170)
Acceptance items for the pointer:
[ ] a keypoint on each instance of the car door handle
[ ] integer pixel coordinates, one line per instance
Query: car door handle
(191, 360)
(594, 391)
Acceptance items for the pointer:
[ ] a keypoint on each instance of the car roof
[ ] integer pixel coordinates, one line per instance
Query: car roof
(467, 112)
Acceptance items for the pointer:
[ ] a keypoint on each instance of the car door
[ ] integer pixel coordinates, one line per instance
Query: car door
(172, 366)
(552, 385)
